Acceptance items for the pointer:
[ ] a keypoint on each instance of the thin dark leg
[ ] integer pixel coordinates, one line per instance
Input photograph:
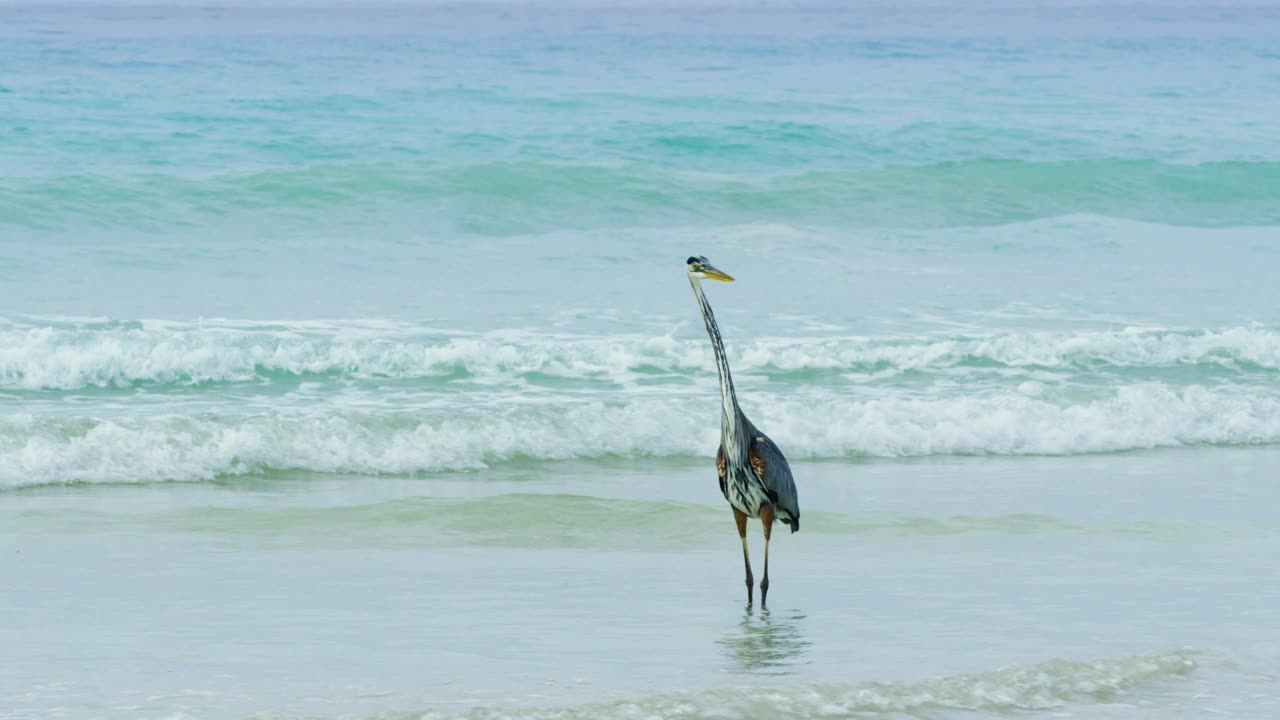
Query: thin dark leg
(766, 519)
(741, 519)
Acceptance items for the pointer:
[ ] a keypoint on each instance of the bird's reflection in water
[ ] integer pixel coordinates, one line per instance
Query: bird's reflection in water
(767, 643)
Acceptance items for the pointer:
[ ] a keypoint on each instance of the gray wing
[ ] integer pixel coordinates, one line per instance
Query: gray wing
(771, 467)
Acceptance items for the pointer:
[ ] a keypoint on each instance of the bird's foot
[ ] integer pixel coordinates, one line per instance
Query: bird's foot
(764, 590)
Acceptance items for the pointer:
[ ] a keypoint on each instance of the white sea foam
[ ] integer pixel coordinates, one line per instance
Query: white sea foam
(45, 449)
(1043, 686)
(67, 358)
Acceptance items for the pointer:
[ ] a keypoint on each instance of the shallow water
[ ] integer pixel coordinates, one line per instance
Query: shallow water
(1114, 586)
(348, 367)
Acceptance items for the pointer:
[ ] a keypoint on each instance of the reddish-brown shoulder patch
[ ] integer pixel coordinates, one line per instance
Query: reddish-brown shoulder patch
(720, 464)
(757, 463)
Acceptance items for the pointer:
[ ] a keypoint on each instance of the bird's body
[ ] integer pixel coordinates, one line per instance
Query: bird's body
(763, 480)
(754, 475)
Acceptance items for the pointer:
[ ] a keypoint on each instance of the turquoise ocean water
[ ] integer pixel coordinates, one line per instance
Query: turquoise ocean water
(296, 299)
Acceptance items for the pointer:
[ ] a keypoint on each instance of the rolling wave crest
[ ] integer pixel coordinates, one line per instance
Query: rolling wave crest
(129, 354)
(537, 195)
(43, 450)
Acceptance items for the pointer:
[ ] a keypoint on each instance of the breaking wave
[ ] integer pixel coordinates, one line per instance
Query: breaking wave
(46, 449)
(64, 357)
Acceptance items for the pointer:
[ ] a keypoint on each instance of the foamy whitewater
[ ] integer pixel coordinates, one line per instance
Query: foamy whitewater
(349, 369)
(182, 401)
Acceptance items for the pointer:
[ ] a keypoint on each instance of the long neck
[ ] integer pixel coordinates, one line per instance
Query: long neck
(731, 425)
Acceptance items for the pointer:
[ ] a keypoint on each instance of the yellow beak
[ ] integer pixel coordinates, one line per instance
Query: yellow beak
(711, 273)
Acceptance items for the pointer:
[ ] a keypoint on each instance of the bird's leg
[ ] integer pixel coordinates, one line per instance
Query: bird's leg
(741, 519)
(766, 519)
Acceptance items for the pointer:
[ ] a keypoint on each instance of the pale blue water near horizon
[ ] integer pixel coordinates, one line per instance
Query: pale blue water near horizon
(348, 366)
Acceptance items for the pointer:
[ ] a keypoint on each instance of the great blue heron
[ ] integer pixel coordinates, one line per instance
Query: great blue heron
(754, 476)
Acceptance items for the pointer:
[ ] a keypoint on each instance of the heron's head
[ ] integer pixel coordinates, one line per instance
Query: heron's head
(699, 268)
